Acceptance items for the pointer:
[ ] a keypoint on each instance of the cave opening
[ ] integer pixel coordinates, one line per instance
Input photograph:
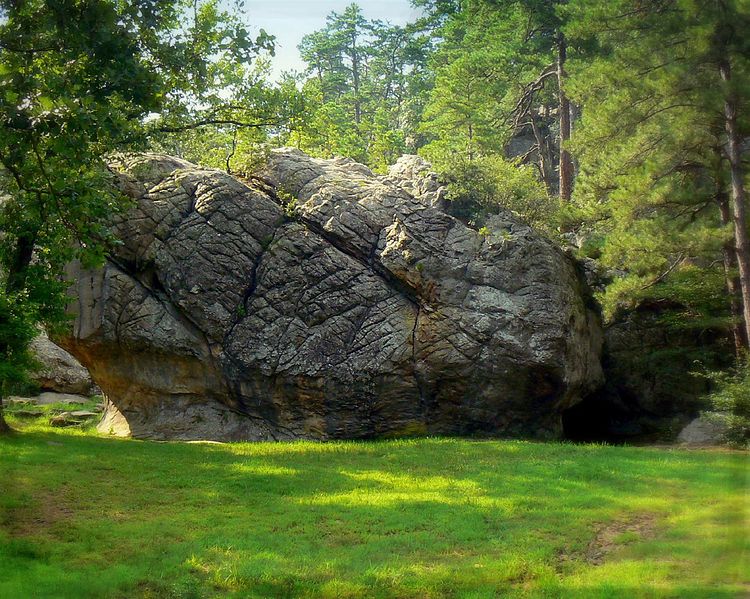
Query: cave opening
(590, 420)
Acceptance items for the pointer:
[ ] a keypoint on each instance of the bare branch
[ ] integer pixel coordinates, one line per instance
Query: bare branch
(208, 122)
(524, 103)
(666, 273)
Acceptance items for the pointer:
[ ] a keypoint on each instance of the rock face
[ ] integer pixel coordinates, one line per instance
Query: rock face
(318, 300)
(414, 175)
(703, 431)
(59, 372)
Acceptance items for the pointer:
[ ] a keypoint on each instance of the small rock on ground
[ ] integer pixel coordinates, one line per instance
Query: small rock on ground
(702, 431)
(71, 418)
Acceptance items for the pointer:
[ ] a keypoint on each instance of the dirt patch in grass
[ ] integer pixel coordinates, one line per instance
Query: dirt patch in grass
(39, 516)
(616, 534)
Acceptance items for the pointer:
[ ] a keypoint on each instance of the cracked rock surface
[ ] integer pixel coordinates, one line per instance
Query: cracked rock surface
(319, 300)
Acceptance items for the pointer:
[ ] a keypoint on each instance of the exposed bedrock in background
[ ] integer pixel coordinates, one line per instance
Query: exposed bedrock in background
(655, 382)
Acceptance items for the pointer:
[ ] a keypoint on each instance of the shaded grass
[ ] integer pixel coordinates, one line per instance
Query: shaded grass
(86, 516)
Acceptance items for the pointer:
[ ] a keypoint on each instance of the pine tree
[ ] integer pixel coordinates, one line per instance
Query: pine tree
(655, 143)
(364, 91)
(515, 53)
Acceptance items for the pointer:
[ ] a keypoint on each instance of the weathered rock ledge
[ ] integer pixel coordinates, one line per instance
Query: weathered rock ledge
(318, 300)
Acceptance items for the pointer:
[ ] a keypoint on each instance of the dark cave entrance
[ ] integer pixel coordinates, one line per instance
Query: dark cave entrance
(604, 418)
(590, 420)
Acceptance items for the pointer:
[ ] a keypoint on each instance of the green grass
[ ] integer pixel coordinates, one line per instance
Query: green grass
(48, 411)
(87, 516)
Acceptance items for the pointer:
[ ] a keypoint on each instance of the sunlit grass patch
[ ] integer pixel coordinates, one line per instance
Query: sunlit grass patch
(88, 516)
(21, 415)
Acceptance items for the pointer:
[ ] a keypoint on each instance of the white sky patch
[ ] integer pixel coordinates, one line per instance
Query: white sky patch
(291, 20)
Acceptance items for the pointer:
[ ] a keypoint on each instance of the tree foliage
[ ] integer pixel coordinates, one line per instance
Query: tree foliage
(480, 188)
(364, 89)
(80, 79)
(499, 79)
(654, 174)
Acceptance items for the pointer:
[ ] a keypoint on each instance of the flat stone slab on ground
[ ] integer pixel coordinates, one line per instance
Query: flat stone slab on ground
(20, 401)
(72, 418)
(50, 397)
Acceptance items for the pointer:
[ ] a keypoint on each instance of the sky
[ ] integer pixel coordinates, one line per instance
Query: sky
(290, 20)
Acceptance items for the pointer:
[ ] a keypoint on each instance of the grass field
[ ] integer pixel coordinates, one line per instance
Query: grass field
(86, 516)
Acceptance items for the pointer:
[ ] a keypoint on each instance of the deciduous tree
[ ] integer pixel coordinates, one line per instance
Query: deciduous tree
(78, 80)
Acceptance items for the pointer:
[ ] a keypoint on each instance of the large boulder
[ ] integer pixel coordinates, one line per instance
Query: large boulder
(316, 299)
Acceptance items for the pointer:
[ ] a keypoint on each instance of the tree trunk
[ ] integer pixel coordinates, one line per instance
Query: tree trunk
(355, 81)
(4, 428)
(543, 154)
(739, 216)
(575, 114)
(18, 268)
(471, 143)
(566, 163)
(732, 281)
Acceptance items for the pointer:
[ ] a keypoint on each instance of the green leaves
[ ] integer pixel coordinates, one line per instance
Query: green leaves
(16, 332)
(494, 82)
(77, 81)
(649, 147)
(487, 185)
(364, 90)
(45, 103)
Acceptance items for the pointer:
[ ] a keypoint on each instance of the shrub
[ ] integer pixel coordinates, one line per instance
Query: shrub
(730, 404)
(484, 186)
(16, 332)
